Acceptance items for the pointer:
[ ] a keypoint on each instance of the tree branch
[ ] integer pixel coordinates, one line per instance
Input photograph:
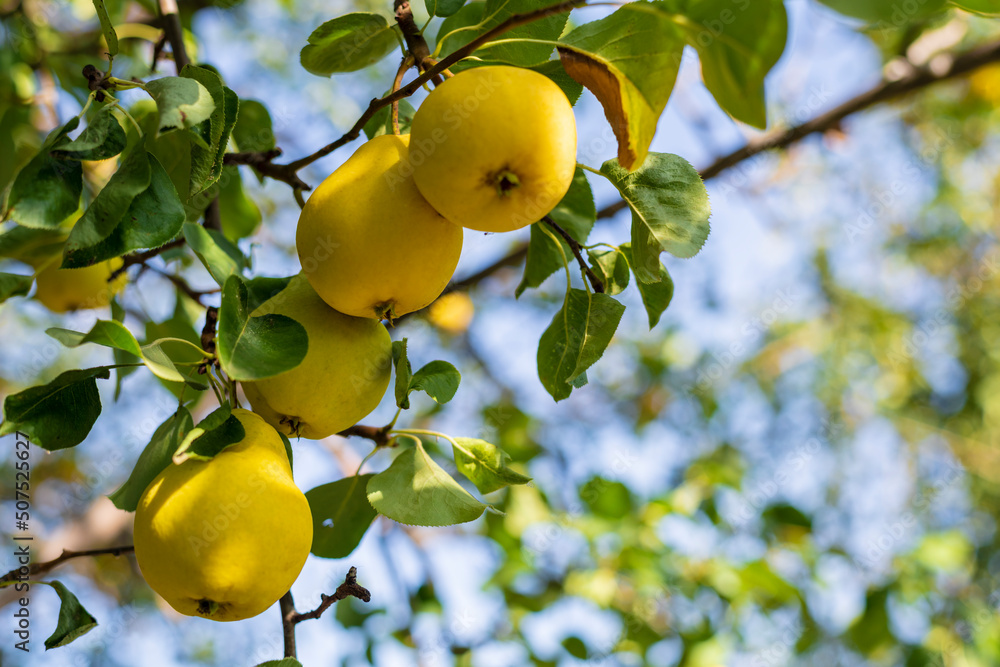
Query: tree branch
(42, 568)
(513, 258)
(350, 588)
(174, 31)
(287, 606)
(916, 79)
(574, 246)
(377, 434)
(415, 42)
(262, 163)
(428, 75)
(142, 257)
(182, 285)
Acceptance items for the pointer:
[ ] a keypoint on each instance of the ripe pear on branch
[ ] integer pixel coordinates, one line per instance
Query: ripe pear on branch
(344, 374)
(369, 243)
(225, 538)
(494, 148)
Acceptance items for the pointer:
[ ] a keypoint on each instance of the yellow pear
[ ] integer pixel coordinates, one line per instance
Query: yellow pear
(224, 539)
(62, 290)
(369, 244)
(343, 377)
(494, 148)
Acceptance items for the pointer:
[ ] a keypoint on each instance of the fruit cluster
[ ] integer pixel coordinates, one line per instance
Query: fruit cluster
(492, 149)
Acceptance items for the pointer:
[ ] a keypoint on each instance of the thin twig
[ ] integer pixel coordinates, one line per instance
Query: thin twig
(262, 162)
(144, 256)
(377, 434)
(42, 568)
(182, 285)
(396, 83)
(574, 246)
(350, 588)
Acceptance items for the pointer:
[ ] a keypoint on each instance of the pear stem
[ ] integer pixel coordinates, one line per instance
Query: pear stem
(397, 82)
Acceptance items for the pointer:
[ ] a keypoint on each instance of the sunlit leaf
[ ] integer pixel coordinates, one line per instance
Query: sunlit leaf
(629, 61)
(416, 491)
(59, 414)
(669, 206)
(341, 516)
(576, 338)
(348, 43)
(256, 347)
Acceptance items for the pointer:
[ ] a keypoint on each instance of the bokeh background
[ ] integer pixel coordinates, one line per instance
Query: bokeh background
(797, 466)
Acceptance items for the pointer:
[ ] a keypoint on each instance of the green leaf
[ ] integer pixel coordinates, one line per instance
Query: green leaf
(341, 516)
(103, 138)
(737, 47)
(381, 122)
(656, 296)
(220, 257)
(576, 338)
(629, 61)
(576, 214)
(611, 267)
(888, 11)
(416, 491)
(485, 465)
(670, 210)
(116, 336)
(285, 662)
(607, 499)
(348, 43)
(121, 357)
(253, 130)
(12, 284)
(109, 207)
(137, 209)
(178, 339)
(74, 621)
(232, 107)
(29, 244)
(575, 647)
(239, 214)
(153, 460)
(212, 434)
(46, 191)
(443, 7)
(460, 28)
(254, 348)
(524, 54)
(262, 289)
(438, 379)
(59, 414)
(110, 36)
(183, 102)
(206, 156)
(403, 374)
(871, 630)
(984, 7)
